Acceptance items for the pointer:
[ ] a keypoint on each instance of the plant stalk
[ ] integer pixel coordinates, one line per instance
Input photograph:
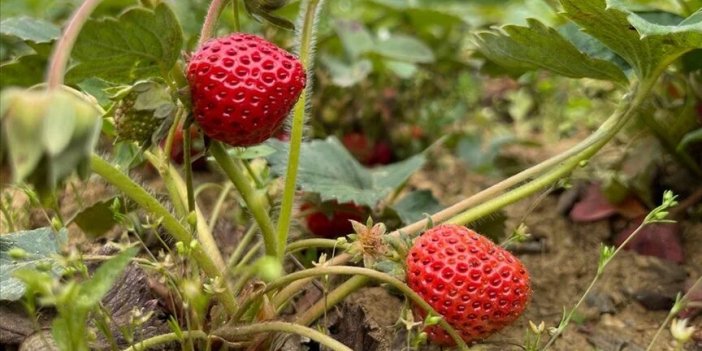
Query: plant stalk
(310, 10)
(208, 28)
(139, 195)
(233, 331)
(235, 172)
(166, 338)
(357, 272)
(62, 51)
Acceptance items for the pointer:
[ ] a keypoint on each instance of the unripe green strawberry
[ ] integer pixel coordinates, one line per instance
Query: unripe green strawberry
(134, 125)
(243, 87)
(143, 111)
(476, 286)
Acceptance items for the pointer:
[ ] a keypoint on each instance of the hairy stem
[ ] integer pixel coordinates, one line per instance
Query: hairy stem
(210, 24)
(233, 331)
(254, 201)
(166, 338)
(177, 190)
(357, 272)
(311, 243)
(62, 51)
(309, 11)
(139, 195)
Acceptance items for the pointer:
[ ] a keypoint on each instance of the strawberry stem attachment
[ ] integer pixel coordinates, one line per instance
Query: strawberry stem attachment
(309, 12)
(62, 50)
(235, 171)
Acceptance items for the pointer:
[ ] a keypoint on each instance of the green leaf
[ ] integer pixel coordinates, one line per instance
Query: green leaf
(92, 291)
(96, 219)
(39, 245)
(540, 47)
(249, 153)
(404, 48)
(345, 75)
(30, 29)
(23, 71)
(140, 44)
(328, 169)
(690, 138)
(355, 38)
(404, 70)
(646, 46)
(415, 205)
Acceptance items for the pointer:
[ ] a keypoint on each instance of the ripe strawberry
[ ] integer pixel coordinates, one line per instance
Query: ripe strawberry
(331, 219)
(197, 146)
(359, 146)
(243, 87)
(477, 286)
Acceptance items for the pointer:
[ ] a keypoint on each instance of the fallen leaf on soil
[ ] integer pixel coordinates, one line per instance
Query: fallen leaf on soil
(594, 206)
(659, 239)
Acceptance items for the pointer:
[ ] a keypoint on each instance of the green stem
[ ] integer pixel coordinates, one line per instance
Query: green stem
(8, 217)
(231, 332)
(604, 134)
(166, 338)
(334, 297)
(187, 166)
(309, 11)
(139, 195)
(218, 205)
(355, 271)
(62, 51)
(311, 243)
(178, 189)
(253, 200)
(237, 24)
(208, 27)
(241, 246)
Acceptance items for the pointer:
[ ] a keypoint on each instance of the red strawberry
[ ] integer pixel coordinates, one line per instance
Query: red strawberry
(243, 87)
(359, 146)
(331, 219)
(477, 286)
(196, 147)
(382, 154)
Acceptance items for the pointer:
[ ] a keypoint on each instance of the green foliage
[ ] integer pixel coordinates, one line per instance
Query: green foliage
(38, 248)
(50, 135)
(30, 29)
(139, 44)
(647, 47)
(328, 169)
(98, 218)
(416, 206)
(532, 47)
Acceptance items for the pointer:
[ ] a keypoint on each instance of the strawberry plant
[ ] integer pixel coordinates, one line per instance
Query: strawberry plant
(221, 252)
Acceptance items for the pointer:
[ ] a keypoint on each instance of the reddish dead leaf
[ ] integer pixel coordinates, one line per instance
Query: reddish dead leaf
(594, 206)
(694, 300)
(661, 240)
